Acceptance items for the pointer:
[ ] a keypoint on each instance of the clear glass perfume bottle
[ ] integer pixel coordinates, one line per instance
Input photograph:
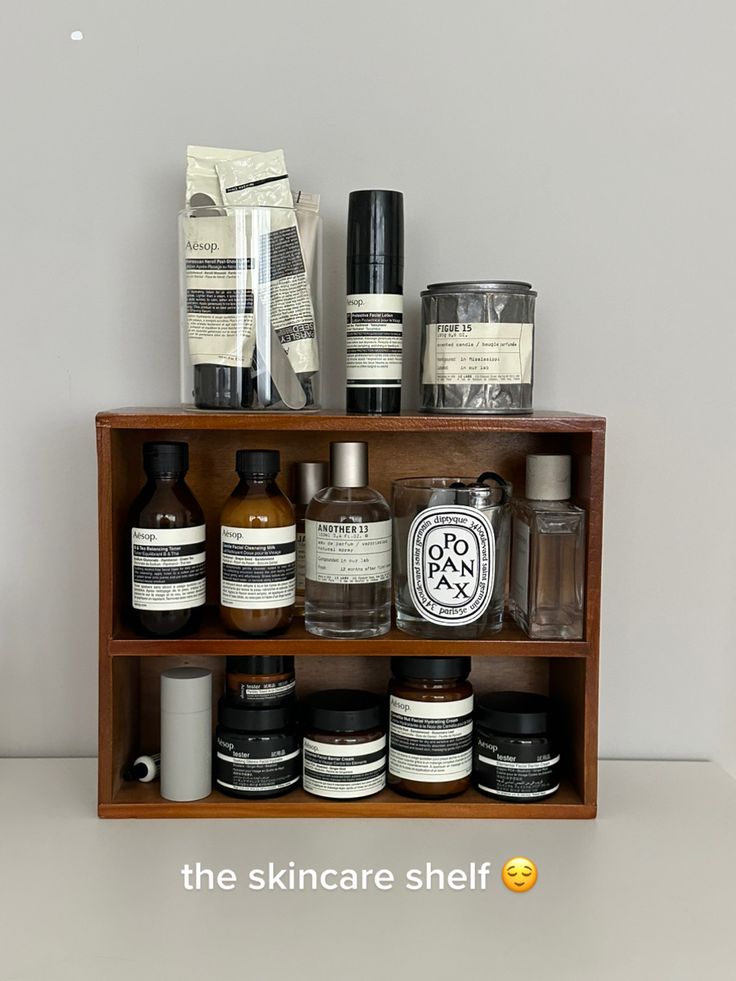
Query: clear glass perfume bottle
(348, 551)
(548, 553)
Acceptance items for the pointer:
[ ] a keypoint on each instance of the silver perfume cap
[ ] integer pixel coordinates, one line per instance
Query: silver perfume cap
(349, 464)
(547, 477)
(309, 478)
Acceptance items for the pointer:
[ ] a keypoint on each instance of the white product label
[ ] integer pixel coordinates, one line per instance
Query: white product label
(520, 565)
(355, 770)
(245, 276)
(301, 558)
(348, 553)
(451, 559)
(374, 340)
(478, 354)
(168, 568)
(430, 741)
(257, 567)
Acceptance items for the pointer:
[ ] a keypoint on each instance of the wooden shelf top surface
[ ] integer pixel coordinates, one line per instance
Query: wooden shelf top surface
(182, 417)
(212, 639)
(144, 800)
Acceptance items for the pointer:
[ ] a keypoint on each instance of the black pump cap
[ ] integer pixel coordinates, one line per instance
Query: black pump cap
(518, 713)
(343, 710)
(233, 715)
(165, 458)
(256, 664)
(434, 668)
(251, 462)
(376, 227)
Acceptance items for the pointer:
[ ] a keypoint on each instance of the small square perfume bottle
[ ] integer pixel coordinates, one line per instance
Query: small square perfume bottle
(548, 553)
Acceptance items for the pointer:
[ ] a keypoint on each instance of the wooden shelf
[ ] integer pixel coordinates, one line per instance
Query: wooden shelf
(143, 800)
(404, 445)
(213, 640)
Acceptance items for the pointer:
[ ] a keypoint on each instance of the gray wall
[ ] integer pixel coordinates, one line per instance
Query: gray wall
(585, 146)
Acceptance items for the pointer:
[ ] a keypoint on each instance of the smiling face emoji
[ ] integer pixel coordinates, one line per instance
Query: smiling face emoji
(519, 874)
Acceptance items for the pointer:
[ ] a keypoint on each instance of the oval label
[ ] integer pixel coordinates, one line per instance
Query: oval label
(451, 557)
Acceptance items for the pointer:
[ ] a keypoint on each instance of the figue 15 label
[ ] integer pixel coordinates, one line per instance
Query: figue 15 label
(451, 564)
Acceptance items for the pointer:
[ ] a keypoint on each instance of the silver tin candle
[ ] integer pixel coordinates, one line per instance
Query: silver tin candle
(477, 347)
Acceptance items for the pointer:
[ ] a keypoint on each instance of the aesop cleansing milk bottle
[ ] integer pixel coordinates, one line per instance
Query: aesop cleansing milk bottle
(257, 548)
(166, 545)
(348, 551)
(375, 302)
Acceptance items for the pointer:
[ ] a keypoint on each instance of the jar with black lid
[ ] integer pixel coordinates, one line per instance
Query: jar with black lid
(256, 750)
(430, 726)
(260, 680)
(515, 757)
(344, 744)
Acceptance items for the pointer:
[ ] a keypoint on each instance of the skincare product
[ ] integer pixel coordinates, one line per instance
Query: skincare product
(451, 544)
(256, 750)
(308, 478)
(514, 755)
(344, 744)
(430, 726)
(477, 347)
(167, 545)
(186, 733)
(255, 680)
(548, 553)
(348, 551)
(375, 302)
(143, 768)
(258, 538)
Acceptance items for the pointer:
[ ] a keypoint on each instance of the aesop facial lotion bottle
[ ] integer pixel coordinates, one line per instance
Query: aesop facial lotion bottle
(375, 302)
(348, 551)
(257, 550)
(166, 545)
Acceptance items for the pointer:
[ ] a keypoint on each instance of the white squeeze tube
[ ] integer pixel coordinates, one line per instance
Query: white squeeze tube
(282, 296)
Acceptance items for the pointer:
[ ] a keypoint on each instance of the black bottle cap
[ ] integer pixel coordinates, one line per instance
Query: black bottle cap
(233, 715)
(165, 458)
(519, 713)
(434, 668)
(343, 710)
(135, 771)
(256, 664)
(376, 227)
(251, 462)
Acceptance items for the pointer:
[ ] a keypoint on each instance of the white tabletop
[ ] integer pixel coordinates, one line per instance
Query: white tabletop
(645, 891)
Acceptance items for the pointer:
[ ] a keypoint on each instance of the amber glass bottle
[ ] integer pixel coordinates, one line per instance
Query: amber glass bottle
(430, 726)
(257, 550)
(167, 545)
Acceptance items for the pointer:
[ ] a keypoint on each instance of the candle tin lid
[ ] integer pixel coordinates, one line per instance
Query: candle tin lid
(480, 286)
(343, 710)
(518, 713)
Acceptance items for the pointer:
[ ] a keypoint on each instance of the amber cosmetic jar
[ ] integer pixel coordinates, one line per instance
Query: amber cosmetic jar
(344, 748)
(256, 680)
(430, 726)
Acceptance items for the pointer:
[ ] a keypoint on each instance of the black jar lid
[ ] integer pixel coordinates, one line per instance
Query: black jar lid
(433, 668)
(260, 664)
(343, 710)
(519, 713)
(246, 719)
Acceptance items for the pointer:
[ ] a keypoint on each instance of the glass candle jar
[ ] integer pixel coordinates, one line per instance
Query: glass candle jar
(256, 750)
(451, 546)
(430, 726)
(477, 347)
(258, 680)
(514, 756)
(344, 744)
